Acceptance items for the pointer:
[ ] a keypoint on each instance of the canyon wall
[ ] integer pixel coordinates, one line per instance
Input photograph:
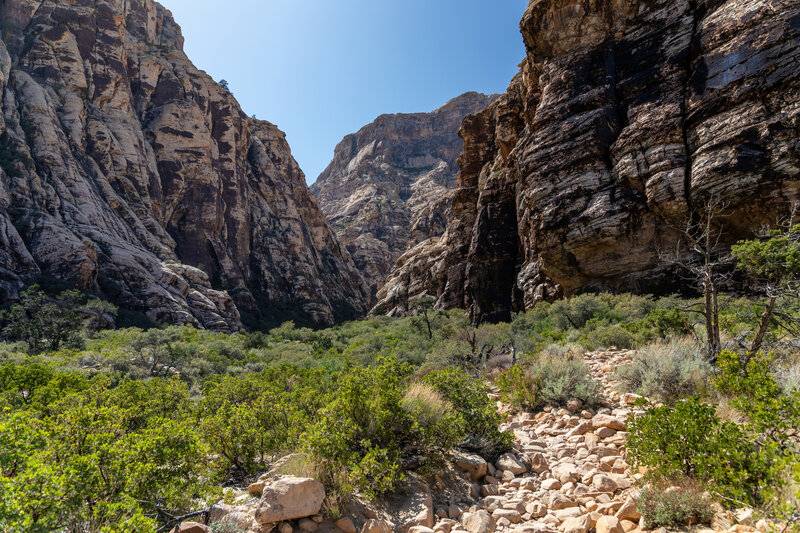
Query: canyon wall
(127, 172)
(389, 186)
(624, 119)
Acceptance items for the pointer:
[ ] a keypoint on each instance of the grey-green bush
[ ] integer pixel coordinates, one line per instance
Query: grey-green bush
(666, 371)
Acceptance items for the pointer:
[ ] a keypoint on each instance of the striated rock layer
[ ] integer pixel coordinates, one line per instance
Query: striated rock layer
(389, 186)
(624, 118)
(126, 171)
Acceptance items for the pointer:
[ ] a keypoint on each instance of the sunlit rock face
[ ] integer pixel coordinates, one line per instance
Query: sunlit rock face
(126, 171)
(624, 118)
(390, 185)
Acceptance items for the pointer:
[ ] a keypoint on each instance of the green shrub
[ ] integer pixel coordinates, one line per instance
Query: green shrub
(83, 470)
(666, 371)
(249, 421)
(372, 428)
(437, 425)
(548, 381)
(227, 526)
(469, 397)
(614, 335)
(44, 323)
(673, 504)
(689, 440)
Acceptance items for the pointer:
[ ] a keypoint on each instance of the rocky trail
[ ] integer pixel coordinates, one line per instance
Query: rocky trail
(568, 473)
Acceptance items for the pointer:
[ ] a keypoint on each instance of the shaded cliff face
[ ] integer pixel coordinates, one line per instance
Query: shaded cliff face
(389, 186)
(624, 118)
(127, 171)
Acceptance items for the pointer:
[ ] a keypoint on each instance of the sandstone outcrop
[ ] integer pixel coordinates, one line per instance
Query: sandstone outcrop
(624, 119)
(126, 171)
(389, 186)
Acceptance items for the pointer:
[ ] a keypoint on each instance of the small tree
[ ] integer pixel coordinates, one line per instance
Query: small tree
(44, 323)
(774, 261)
(423, 307)
(224, 85)
(98, 315)
(701, 253)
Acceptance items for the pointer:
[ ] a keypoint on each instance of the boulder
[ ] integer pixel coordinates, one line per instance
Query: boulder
(306, 524)
(192, 527)
(551, 484)
(559, 501)
(345, 525)
(538, 463)
(376, 526)
(629, 511)
(608, 524)
(607, 421)
(566, 472)
(473, 464)
(289, 498)
(416, 509)
(578, 524)
(478, 522)
(509, 463)
(604, 483)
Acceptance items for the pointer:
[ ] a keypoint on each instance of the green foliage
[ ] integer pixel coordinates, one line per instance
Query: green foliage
(548, 381)
(469, 397)
(688, 439)
(83, 467)
(667, 371)
(776, 258)
(44, 323)
(252, 420)
(673, 504)
(519, 388)
(372, 426)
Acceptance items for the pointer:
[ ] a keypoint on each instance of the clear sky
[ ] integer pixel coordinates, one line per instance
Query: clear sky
(321, 69)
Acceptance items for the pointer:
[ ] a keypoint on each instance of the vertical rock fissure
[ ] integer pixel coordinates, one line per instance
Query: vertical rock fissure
(690, 53)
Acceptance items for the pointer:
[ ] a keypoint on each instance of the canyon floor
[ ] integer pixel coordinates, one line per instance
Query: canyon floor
(568, 473)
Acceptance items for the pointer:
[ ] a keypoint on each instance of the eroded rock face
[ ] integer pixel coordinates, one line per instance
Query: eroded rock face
(625, 117)
(122, 164)
(389, 186)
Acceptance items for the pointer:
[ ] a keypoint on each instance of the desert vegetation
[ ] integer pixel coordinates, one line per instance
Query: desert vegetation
(120, 429)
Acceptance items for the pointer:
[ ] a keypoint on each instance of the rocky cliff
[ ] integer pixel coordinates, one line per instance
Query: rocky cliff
(389, 186)
(126, 171)
(625, 117)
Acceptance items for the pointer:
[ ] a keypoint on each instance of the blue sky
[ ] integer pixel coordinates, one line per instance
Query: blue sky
(321, 69)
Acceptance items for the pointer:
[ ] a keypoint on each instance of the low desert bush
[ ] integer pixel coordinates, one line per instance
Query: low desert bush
(548, 380)
(667, 371)
(670, 503)
(227, 526)
(469, 397)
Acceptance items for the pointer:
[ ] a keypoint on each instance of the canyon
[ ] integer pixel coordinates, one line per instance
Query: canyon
(127, 172)
(390, 185)
(624, 120)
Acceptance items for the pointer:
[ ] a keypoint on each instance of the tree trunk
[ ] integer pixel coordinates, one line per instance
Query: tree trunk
(763, 325)
(717, 341)
(710, 348)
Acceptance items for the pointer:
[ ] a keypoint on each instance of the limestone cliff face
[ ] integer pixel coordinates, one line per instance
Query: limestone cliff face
(389, 186)
(624, 118)
(127, 171)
